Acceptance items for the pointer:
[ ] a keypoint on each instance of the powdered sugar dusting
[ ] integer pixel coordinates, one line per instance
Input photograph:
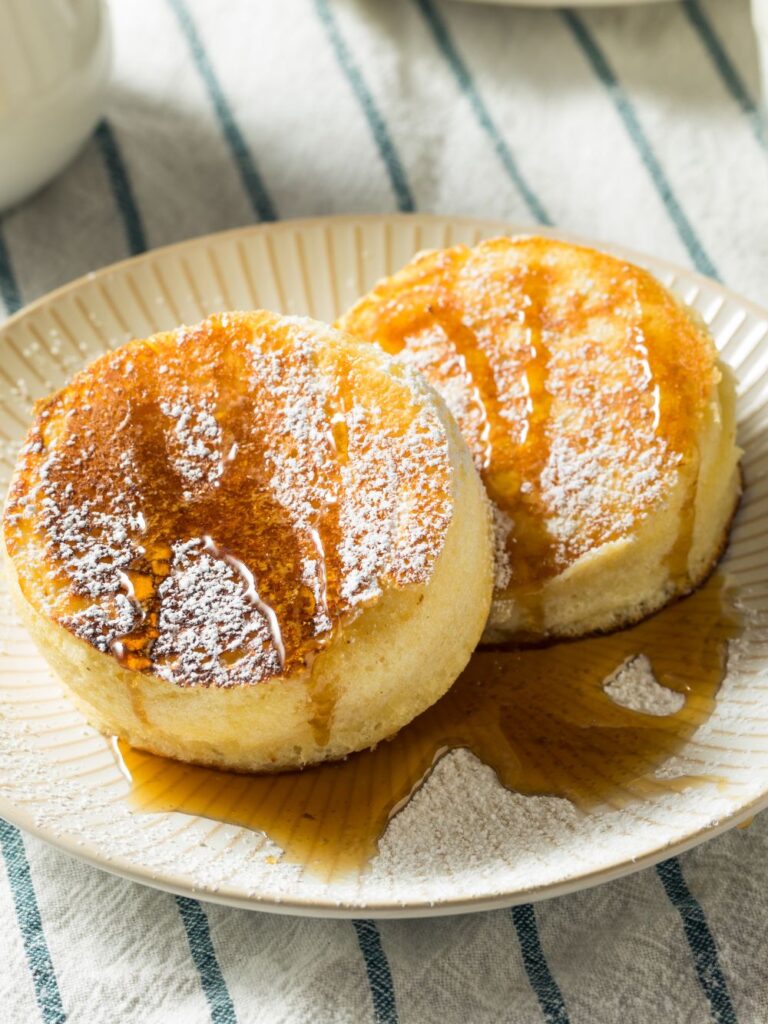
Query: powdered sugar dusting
(584, 478)
(610, 466)
(210, 630)
(430, 352)
(297, 466)
(367, 528)
(634, 686)
(94, 546)
(195, 440)
(384, 491)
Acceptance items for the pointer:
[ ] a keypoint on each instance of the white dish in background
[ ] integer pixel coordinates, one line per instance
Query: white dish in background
(54, 60)
(463, 842)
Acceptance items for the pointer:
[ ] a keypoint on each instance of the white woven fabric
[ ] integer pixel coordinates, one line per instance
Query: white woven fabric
(633, 125)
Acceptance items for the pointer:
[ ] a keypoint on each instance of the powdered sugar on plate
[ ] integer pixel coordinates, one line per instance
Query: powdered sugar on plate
(634, 686)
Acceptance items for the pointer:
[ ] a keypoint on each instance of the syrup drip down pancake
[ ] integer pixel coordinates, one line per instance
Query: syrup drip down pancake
(597, 414)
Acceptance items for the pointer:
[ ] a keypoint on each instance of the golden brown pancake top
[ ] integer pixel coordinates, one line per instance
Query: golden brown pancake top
(209, 504)
(578, 381)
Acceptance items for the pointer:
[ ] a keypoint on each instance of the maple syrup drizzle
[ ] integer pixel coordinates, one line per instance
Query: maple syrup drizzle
(239, 534)
(512, 446)
(539, 717)
(679, 553)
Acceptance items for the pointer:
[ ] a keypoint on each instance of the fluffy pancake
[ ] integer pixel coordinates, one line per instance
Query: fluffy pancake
(239, 543)
(597, 414)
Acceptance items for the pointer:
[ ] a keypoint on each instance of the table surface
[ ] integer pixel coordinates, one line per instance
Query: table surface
(632, 125)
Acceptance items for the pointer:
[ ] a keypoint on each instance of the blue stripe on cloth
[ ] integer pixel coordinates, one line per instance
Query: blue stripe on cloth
(9, 289)
(536, 967)
(626, 111)
(30, 925)
(386, 147)
(379, 974)
(121, 188)
(204, 955)
(702, 944)
(728, 73)
(461, 73)
(254, 186)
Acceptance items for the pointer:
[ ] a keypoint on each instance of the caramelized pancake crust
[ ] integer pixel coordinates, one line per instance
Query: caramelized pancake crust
(581, 386)
(209, 505)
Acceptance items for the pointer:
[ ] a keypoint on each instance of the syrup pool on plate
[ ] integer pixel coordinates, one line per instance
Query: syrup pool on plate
(542, 718)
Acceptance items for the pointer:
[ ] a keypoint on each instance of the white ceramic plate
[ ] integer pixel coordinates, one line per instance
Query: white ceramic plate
(463, 842)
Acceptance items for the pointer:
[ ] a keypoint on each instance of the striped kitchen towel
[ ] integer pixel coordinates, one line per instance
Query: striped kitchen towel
(636, 125)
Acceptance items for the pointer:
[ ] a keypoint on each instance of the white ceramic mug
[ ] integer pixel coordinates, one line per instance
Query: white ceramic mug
(54, 60)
